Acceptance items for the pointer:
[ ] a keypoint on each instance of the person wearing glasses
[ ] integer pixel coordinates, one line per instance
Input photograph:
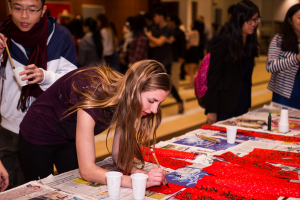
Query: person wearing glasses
(229, 77)
(283, 61)
(46, 49)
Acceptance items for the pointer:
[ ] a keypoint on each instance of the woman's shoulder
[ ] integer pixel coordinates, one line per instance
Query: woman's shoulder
(277, 36)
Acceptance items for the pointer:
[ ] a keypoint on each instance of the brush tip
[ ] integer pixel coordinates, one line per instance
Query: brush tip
(167, 185)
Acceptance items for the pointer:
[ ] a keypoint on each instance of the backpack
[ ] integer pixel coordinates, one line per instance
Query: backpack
(201, 80)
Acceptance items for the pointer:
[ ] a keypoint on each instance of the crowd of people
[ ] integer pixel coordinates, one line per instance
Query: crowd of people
(81, 81)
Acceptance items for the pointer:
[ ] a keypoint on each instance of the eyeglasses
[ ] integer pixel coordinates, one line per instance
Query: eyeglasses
(29, 11)
(253, 21)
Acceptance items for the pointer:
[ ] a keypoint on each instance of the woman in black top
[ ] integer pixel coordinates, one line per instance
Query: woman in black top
(231, 65)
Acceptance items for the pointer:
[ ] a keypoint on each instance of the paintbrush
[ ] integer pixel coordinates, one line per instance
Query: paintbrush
(7, 50)
(154, 156)
(214, 140)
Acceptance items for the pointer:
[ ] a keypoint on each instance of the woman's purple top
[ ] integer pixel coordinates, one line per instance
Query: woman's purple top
(44, 124)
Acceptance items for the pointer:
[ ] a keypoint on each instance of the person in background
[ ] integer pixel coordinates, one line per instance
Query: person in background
(107, 38)
(229, 78)
(46, 49)
(160, 39)
(212, 37)
(192, 54)
(75, 27)
(230, 11)
(138, 48)
(90, 46)
(178, 49)
(283, 61)
(4, 178)
(115, 62)
(93, 99)
(204, 34)
(149, 21)
(229, 14)
(128, 37)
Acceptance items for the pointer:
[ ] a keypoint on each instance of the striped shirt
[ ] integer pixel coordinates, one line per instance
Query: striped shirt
(284, 66)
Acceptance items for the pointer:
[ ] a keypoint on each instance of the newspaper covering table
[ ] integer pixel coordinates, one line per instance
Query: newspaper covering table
(71, 186)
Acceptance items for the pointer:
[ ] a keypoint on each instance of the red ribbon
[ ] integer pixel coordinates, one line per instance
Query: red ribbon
(167, 162)
(170, 153)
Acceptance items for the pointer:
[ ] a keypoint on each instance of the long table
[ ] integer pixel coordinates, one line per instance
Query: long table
(70, 185)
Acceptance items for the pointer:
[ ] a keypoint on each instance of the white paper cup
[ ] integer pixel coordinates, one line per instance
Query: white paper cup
(283, 125)
(113, 180)
(231, 134)
(16, 72)
(139, 181)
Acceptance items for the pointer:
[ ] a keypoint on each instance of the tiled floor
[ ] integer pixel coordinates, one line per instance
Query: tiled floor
(193, 116)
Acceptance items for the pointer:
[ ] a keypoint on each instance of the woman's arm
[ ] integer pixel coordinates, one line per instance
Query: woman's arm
(85, 146)
(156, 176)
(274, 62)
(4, 180)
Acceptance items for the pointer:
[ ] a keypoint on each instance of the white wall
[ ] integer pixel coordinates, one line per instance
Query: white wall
(281, 7)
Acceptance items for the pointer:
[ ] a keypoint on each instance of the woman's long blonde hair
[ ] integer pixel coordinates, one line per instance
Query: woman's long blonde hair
(122, 94)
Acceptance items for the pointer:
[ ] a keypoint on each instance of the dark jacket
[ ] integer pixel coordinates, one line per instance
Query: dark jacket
(179, 45)
(224, 79)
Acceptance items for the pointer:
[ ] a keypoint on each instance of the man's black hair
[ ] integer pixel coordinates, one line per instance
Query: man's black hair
(161, 11)
(149, 16)
(175, 19)
(43, 2)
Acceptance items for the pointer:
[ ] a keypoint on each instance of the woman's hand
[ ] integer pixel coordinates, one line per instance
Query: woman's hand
(156, 177)
(35, 74)
(2, 45)
(211, 118)
(4, 180)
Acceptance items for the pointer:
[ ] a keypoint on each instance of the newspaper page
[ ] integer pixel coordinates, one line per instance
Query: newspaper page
(34, 190)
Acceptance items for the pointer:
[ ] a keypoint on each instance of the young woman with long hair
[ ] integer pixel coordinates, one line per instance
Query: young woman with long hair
(90, 51)
(60, 126)
(283, 61)
(231, 65)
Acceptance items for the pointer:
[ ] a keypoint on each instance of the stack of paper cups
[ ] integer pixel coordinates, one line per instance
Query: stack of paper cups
(283, 125)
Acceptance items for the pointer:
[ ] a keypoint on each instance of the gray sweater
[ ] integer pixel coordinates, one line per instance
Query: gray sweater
(87, 54)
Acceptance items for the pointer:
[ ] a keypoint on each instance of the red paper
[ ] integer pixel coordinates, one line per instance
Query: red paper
(167, 162)
(250, 164)
(165, 190)
(256, 134)
(275, 153)
(261, 186)
(194, 194)
(170, 153)
(230, 193)
(273, 156)
(286, 174)
(230, 170)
